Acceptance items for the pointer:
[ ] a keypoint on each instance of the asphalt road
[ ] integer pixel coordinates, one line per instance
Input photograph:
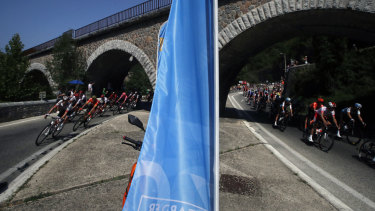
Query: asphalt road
(17, 143)
(339, 170)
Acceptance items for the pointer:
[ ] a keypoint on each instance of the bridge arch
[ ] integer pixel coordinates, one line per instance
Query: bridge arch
(280, 20)
(124, 47)
(40, 67)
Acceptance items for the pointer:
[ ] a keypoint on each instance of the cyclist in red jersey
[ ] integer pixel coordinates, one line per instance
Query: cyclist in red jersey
(325, 114)
(311, 110)
(113, 96)
(92, 103)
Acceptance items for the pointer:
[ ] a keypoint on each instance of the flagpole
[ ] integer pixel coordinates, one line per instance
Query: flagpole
(216, 66)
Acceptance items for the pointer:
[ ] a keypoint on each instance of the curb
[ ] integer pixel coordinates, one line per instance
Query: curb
(29, 172)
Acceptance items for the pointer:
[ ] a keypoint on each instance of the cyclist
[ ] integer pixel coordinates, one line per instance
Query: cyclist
(276, 104)
(63, 107)
(92, 103)
(136, 98)
(331, 116)
(112, 97)
(311, 110)
(324, 114)
(285, 108)
(81, 99)
(103, 102)
(350, 114)
(123, 95)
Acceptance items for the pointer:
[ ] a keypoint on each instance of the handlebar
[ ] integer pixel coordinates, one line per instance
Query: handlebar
(138, 144)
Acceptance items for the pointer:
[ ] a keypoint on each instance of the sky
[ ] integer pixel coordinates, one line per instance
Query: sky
(38, 21)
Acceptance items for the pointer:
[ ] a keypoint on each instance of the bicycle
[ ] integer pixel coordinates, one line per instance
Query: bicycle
(119, 107)
(348, 131)
(83, 120)
(112, 104)
(366, 151)
(321, 137)
(100, 110)
(74, 113)
(50, 129)
(262, 105)
(282, 122)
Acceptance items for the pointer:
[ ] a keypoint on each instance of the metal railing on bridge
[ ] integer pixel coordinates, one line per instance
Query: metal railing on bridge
(109, 21)
(122, 16)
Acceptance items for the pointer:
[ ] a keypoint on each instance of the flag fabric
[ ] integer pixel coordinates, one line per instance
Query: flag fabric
(175, 169)
(161, 41)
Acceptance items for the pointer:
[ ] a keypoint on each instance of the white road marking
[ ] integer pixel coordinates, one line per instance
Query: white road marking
(30, 171)
(13, 169)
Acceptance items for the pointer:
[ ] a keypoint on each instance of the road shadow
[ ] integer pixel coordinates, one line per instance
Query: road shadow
(369, 163)
(259, 117)
(48, 140)
(3, 186)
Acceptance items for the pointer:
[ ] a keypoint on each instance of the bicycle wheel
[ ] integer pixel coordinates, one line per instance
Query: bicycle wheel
(121, 108)
(111, 106)
(283, 124)
(366, 150)
(78, 123)
(325, 142)
(43, 135)
(103, 111)
(87, 121)
(115, 109)
(351, 139)
(58, 130)
(305, 134)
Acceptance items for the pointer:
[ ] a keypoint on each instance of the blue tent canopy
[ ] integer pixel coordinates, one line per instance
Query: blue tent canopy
(76, 82)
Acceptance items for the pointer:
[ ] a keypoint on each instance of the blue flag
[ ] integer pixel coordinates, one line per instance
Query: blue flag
(175, 169)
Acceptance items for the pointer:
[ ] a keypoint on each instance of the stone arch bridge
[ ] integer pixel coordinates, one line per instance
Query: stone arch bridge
(246, 27)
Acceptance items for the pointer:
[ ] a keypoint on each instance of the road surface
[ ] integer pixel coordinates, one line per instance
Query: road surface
(339, 170)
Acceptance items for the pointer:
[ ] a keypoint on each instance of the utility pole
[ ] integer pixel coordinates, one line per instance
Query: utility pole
(284, 75)
(284, 64)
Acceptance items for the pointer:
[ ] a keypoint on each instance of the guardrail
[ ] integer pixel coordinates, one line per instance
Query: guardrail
(125, 15)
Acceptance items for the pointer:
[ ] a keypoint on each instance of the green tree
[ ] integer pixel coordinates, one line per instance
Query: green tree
(138, 80)
(13, 65)
(33, 83)
(67, 63)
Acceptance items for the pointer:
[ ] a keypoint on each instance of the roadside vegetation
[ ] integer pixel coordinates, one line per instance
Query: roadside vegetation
(67, 62)
(137, 80)
(13, 65)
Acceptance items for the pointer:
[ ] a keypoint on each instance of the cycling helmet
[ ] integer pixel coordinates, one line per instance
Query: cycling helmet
(358, 106)
(65, 97)
(320, 100)
(287, 99)
(331, 105)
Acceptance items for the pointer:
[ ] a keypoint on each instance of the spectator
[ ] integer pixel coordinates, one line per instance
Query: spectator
(89, 88)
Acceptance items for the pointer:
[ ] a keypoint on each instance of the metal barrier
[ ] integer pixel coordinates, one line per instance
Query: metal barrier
(117, 18)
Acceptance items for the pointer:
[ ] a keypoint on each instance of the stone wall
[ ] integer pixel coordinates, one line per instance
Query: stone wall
(230, 10)
(144, 35)
(20, 110)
